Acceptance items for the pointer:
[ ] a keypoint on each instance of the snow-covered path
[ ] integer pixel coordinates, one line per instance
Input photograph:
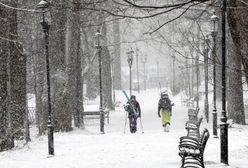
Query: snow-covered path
(114, 149)
(154, 148)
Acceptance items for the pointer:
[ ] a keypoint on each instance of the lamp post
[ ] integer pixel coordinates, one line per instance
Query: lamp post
(224, 124)
(173, 78)
(143, 60)
(130, 63)
(113, 80)
(197, 80)
(214, 20)
(158, 76)
(137, 60)
(188, 77)
(98, 45)
(45, 26)
(205, 53)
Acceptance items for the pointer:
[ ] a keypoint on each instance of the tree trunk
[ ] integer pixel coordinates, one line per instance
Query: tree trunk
(79, 86)
(243, 25)
(117, 56)
(59, 76)
(218, 58)
(107, 80)
(17, 77)
(74, 90)
(6, 139)
(39, 73)
(89, 63)
(235, 103)
(32, 42)
(78, 69)
(106, 70)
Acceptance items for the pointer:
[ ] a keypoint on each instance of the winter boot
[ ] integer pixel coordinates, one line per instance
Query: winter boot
(164, 129)
(167, 127)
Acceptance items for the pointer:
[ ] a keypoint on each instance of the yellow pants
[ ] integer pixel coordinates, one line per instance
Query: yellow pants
(165, 117)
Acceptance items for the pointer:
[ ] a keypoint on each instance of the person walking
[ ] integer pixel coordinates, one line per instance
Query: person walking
(165, 108)
(134, 112)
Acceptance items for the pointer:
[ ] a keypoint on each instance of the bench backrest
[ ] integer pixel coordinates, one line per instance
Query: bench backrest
(94, 112)
(192, 114)
(204, 139)
(193, 122)
(192, 130)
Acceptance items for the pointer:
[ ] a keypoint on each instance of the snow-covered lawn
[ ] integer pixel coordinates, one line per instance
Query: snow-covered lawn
(114, 149)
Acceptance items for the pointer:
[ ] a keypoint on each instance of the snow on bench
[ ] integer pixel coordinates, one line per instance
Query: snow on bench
(191, 150)
(95, 114)
(193, 124)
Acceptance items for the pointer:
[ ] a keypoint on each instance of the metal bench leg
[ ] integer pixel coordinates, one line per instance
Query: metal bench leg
(183, 160)
(202, 162)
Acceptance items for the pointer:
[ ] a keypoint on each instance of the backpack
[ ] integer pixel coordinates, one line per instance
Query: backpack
(165, 104)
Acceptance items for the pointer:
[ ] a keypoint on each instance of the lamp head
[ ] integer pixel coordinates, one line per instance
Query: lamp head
(43, 4)
(214, 19)
(99, 39)
(130, 57)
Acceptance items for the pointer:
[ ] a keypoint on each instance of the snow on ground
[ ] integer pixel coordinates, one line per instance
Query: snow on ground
(114, 149)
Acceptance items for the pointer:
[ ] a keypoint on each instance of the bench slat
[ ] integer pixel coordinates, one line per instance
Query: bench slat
(97, 114)
(191, 150)
(93, 112)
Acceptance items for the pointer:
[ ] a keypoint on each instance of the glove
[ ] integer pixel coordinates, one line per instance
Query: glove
(159, 115)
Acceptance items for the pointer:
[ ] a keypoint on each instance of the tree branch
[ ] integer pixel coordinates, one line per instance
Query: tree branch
(163, 6)
(173, 18)
(20, 9)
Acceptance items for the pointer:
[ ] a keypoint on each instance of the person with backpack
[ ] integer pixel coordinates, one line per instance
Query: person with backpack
(134, 112)
(165, 109)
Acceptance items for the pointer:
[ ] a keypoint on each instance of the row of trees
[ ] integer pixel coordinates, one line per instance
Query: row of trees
(189, 42)
(73, 55)
(73, 62)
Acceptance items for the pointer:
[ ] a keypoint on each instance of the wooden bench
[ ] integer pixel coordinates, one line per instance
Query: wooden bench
(191, 150)
(193, 124)
(31, 114)
(184, 101)
(190, 102)
(95, 115)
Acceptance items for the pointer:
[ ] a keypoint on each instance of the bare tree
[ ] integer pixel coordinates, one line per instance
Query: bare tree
(235, 92)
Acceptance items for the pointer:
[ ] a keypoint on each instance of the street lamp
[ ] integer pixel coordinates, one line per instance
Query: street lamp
(130, 63)
(197, 80)
(137, 60)
(158, 76)
(173, 77)
(224, 124)
(99, 43)
(143, 60)
(45, 26)
(214, 19)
